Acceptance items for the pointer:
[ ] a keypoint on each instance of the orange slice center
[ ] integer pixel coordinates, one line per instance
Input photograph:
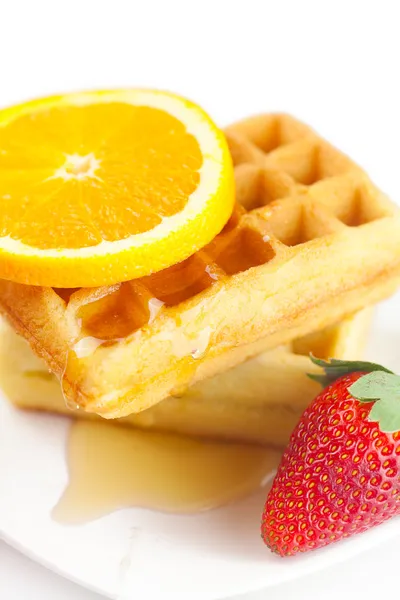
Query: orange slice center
(73, 176)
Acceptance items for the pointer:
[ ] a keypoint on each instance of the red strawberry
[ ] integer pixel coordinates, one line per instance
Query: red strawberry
(340, 473)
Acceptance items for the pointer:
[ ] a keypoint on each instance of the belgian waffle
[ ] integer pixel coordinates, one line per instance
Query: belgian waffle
(257, 402)
(311, 241)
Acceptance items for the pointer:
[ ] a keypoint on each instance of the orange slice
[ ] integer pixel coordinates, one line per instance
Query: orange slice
(102, 187)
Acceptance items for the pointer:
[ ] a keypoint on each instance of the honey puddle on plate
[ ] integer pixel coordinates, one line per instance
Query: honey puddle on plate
(112, 467)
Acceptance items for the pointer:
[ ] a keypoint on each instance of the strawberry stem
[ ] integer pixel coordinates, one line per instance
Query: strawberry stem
(377, 385)
(335, 368)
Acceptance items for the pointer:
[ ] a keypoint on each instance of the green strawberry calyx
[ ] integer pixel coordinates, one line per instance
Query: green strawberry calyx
(378, 385)
(335, 368)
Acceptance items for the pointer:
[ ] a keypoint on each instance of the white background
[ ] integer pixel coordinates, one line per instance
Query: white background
(334, 64)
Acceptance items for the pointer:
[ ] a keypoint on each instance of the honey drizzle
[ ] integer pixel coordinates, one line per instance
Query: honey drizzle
(107, 316)
(127, 307)
(112, 467)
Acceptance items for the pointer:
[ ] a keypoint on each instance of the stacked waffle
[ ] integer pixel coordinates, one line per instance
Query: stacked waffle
(216, 345)
(259, 401)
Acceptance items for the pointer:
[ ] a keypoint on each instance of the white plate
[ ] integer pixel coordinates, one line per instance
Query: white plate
(142, 554)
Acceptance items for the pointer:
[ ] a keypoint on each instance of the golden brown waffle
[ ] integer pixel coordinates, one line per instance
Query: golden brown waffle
(258, 401)
(312, 242)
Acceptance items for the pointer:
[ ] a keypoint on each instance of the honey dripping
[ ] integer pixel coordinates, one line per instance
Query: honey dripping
(129, 307)
(132, 305)
(113, 467)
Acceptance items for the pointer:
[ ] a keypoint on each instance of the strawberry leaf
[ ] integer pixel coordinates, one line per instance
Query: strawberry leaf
(334, 369)
(386, 413)
(383, 389)
(375, 385)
